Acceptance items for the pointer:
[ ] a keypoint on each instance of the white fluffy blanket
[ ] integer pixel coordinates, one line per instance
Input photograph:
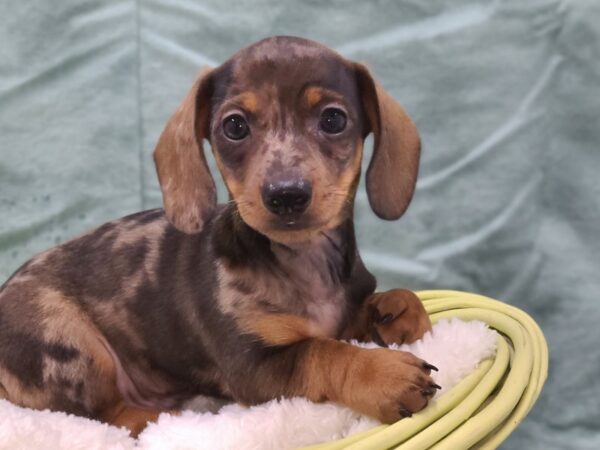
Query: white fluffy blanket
(454, 346)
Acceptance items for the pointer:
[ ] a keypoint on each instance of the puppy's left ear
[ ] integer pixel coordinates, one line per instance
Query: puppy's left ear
(188, 189)
(392, 172)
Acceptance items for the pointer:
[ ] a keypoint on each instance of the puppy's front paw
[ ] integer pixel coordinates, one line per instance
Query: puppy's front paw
(390, 385)
(397, 316)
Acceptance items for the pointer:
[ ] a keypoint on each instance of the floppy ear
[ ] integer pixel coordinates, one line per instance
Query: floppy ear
(188, 189)
(393, 169)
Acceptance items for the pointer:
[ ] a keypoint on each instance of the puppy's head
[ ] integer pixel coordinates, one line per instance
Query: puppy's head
(286, 119)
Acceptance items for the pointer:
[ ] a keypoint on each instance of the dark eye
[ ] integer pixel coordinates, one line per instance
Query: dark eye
(333, 120)
(235, 127)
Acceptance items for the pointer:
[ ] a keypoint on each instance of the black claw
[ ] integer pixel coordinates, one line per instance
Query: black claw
(404, 412)
(437, 386)
(386, 318)
(429, 366)
(377, 338)
(428, 392)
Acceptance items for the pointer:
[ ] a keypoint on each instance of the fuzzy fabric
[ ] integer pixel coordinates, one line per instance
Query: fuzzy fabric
(454, 346)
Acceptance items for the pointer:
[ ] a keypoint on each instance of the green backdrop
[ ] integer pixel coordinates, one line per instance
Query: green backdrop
(506, 95)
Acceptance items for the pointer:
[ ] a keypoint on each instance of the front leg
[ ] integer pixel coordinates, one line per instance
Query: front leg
(381, 383)
(391, 317)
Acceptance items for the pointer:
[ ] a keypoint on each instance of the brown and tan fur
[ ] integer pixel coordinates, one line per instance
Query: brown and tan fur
(247, 300)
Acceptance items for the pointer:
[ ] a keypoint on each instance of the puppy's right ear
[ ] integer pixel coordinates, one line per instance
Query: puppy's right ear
(188, 189)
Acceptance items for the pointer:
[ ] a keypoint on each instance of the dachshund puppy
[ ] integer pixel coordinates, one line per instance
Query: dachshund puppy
(247, 300)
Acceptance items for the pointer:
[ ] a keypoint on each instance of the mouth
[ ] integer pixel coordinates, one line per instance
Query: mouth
(288, 228)
(291, 222)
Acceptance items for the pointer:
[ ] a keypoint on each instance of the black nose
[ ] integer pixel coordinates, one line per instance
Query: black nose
(287, 196)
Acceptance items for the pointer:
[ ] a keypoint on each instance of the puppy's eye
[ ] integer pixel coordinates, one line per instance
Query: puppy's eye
(333, 120)
(235, 127)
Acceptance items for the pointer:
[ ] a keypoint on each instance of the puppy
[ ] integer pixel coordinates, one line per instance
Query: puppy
(246, 300)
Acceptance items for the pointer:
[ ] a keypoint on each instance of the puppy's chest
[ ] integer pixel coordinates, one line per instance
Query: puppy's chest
(311, 287)
(306, 283)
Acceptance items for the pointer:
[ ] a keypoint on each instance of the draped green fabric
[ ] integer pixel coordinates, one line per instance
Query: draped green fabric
(506, 95)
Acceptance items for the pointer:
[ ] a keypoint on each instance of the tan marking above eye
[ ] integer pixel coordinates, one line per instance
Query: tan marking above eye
(246, 102)
(249, 101)
(313, 95)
